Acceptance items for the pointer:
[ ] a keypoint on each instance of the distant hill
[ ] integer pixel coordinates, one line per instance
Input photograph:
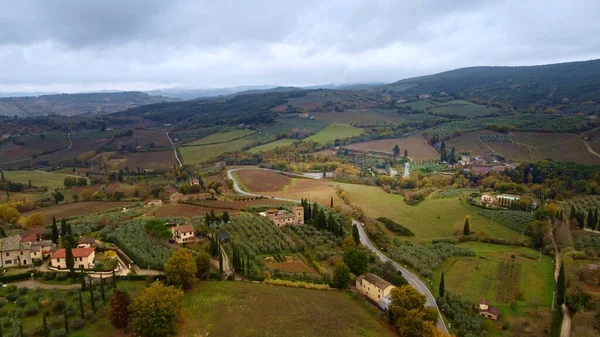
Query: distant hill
(520, 87)
(75, 104)
(193, 93)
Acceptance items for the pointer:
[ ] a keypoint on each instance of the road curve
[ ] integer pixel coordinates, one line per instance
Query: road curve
(412, 279)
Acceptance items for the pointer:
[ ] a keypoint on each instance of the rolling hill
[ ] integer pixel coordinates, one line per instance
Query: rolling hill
(75, 104)
(519, 87)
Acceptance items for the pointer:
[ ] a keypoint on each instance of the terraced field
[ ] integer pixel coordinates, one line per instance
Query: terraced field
(417, 147)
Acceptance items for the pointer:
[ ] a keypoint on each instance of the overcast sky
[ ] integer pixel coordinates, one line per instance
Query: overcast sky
(71, 46)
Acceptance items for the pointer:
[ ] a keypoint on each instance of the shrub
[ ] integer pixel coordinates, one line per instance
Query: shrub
(427, 258)
(58, 333)
(77, 324)
(39, 331)
(11, 297)
(31, 309)
(59, 305)
(395, 227)
(56, 322)
(293, 284)
(49, 276)
(23, 291)
(22, 302)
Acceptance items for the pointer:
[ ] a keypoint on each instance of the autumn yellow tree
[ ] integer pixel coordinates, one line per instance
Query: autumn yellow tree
(181, 269)
(35, 220)
(409, 314)
(154, 312)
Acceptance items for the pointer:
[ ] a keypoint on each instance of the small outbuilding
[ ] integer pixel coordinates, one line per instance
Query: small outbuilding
(487, 310)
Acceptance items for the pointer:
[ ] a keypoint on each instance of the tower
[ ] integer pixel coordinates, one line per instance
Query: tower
(299, 214)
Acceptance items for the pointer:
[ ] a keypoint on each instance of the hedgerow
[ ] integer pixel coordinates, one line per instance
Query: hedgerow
(427, 258)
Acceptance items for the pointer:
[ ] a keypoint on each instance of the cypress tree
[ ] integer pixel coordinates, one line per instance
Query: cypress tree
(560, 286)
(114, 279)
(45, 325)
(466, 228)
(315, 211)
(331, 205)
(70, 260)
(220, 262)
(590, 219)
(247, 265)
(21, 326)
(92, 300)
(341, 230)
(441, 290)
(81, 305)
(309, 212)
(331, 225)
(322, 220)
(355, 234)
(82, 281)
(63, 226)
(54, 231)
(573, 214)
(102, 295)
(66, 320)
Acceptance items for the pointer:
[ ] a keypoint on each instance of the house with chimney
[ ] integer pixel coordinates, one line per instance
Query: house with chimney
(183, 234)
(282, 218)
(375, 289)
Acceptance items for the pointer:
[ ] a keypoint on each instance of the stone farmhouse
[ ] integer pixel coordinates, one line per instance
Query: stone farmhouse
(86, 242)
(84, 258)
(18, 251)
(183, 234)
(283, 218)
(376, 289)
(487, 310)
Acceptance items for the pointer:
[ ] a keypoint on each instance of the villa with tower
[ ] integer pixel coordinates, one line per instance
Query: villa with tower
(283, 218)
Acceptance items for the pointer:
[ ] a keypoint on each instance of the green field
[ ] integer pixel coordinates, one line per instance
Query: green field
(335, 131)
(245, 309)
(38, 178)
(272, 145)
(456, 107)
(222, 137)
(535, 279)
(430, 219)
(362, 117)
(202, 153)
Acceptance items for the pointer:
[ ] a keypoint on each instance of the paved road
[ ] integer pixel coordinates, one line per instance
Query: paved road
(412, 279)
(174, 150)
(565, 329)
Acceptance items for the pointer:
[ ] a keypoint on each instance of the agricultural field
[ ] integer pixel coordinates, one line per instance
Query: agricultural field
(456, 107)
(287, 122)
(360, 117)
(522, 146)
(78, 209)
(495, 276)
(202, 153)
(272, 145)
(151, 160)
(290, 264)
(298, 312)
(38, 178)
(594, 140)
(12, 152)
(417, 147)
(430, 219)
(335, 131)
(155, 138)
(222, 137)
(181, 210)
(277, 185)
(581, 203)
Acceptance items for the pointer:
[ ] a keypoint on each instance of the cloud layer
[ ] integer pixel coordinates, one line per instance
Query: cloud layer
(72, 46)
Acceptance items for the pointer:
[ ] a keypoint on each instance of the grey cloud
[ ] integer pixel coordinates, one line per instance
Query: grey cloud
(154, 43)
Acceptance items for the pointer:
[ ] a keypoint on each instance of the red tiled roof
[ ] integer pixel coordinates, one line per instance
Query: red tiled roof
(77, 252)
(88, 239)
(184, 228)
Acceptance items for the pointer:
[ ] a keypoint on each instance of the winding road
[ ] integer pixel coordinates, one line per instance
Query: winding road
(174, 150)
(412, 279)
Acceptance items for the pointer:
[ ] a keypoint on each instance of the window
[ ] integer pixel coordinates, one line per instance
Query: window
(57, 260)
(24, 261)
(21, 253)
(7, 254)
(8, 262)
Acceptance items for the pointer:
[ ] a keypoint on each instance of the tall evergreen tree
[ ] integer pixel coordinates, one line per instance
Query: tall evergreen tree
(331, 203)
(54, 231)
(66, 320)
(560, 285)
(573, 214)
(452, 157)
(309, 212)
(355, 234)
(44, 317)
(69, 259)
(331, 225)
(405, 153)
(441, 290)
(81, 311)
(595, 218)
(590, 219)
(396, 150)
(102, 294)
(315, 211)
(63, 226)
(225, 217)
(220, 263)
(443, 154)
(322, 220)
(92, 299)
(466, 228)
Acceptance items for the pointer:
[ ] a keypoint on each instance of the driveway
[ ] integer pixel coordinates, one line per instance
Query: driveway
(412, 279)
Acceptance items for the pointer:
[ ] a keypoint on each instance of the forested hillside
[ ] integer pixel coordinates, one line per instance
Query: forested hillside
(519, 87)
(75, 104)
(246, 109)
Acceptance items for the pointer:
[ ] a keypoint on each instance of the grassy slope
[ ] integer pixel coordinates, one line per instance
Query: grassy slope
(272, 145)
(38, 178)
(432, 218)
(246, 309)
(198, 154)
(222, 137)
(333, 131)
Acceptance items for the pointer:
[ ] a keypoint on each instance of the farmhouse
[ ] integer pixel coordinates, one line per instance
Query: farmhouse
(13, 253)
(283, 218)
(84, 258)
(31, 235)
(376, 289)
(86, 242)
(182, 234)
(41, 249)
(487, 310)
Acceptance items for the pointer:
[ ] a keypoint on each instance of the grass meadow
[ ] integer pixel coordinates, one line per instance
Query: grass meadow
(246, 309)
(272, 145)
(38, 178)
(335, 131)
(430, 219)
